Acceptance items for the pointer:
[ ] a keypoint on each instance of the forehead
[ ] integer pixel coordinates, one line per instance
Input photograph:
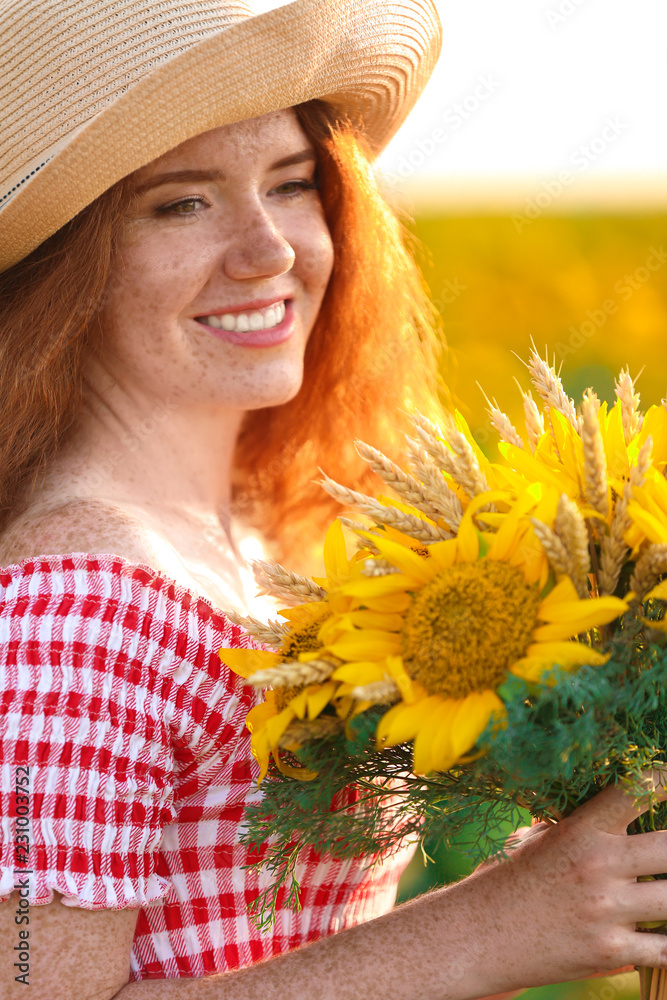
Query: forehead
(252, 137)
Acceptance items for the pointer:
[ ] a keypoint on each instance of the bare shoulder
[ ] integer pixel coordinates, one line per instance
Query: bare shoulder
(71, 953)
(77, 525)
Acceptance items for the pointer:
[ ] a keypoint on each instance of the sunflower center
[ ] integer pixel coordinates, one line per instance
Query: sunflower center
(468, 626)
(299, 640)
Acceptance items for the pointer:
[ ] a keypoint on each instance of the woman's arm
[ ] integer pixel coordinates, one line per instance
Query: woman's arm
(563, 906)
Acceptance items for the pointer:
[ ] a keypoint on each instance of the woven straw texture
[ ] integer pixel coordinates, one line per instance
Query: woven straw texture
(90, 91)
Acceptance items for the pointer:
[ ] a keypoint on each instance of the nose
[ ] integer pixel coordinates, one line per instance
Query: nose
(259, 249)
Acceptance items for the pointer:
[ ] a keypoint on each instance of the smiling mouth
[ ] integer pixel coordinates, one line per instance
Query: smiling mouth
(260, 319)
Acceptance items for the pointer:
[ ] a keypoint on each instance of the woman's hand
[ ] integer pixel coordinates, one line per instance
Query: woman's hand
(565, 903)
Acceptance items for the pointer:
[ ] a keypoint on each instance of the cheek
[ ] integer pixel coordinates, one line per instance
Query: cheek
(156, 277)
(315, 258)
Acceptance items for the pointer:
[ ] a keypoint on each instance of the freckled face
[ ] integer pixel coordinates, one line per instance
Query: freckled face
(251, 232)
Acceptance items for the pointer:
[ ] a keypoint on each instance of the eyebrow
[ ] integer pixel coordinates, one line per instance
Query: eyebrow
(180, 176)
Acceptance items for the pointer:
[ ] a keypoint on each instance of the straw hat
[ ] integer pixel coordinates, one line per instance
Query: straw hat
(91, 90)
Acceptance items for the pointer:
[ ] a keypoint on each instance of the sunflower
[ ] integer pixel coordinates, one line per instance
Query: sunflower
(476, 610)
(289, 702)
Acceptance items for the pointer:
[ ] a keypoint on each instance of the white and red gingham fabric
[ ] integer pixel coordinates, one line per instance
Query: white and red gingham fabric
(112, 692)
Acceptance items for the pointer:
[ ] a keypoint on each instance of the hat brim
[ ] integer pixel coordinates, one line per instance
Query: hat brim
(370, 60)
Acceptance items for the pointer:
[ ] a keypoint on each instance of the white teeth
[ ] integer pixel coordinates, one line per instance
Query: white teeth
(264, 319)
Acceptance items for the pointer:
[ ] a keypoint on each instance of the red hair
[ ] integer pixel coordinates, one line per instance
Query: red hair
(372, 353)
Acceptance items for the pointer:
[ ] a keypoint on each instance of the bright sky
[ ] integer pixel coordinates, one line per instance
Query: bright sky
(529, 88)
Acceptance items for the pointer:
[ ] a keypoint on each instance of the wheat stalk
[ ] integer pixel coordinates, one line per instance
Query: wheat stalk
(613, 549)
(379, 693)
(409, 524)
(407, 487)
(651, 565)
(548, 384)
(300, 731)
(533, 417)
(269, 633)
(554, 548)
(595, 462)
(570, 526)
(502, 423)
(437, 491)
(279, 582)
(294, 673)
(460, 462)
(378, 567)
(629, 399)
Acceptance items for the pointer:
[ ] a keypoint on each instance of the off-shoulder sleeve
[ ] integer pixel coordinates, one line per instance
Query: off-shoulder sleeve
(111, 693)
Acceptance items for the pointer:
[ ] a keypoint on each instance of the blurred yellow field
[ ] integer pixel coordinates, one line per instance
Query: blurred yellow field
(592, 288)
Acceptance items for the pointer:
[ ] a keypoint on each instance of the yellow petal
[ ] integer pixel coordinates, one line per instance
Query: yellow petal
(568, 653)
(335, 555)
(404, 683)
(414, 566)
(442, 754)
(471, 718)
(320, 698)
(659, 593)
(564, 591)
(379, 586)
(401, 723)
(443, 553)
(259, 746)
(586, 613)
(258, 715)
(359, 674)
(652, 527)
(376, 620)
(390, 603)
(428, 730)
(366, 644)
(293, 772)
(276, 726)
(246, 661)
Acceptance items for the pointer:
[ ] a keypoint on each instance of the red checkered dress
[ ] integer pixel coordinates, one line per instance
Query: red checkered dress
(112, 693)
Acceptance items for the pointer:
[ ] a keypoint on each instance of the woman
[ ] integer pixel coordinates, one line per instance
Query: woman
(201, 285)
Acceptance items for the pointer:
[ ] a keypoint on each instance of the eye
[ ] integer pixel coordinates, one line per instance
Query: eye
(175, 206)
(298, 188)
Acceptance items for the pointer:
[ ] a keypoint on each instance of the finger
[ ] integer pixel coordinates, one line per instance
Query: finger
(643, 854)
(649, 950)
(613, 809)
(641, 901)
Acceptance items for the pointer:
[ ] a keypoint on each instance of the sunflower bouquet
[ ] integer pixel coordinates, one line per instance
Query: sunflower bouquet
(496, 643)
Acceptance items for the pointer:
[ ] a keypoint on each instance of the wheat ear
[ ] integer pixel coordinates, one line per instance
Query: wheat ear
(502, 423)
(443, 499)
(269, 633)
(293, 674)
(571, 528)
(301, 730)
(651, 565)
(378, 693)
(548, 384)
(409, 524)
(595, 462)
(629, 399)
(279, 582)
(554, 548)
(533, 418)
(460, 462)
(407, 487)
(613, 549)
